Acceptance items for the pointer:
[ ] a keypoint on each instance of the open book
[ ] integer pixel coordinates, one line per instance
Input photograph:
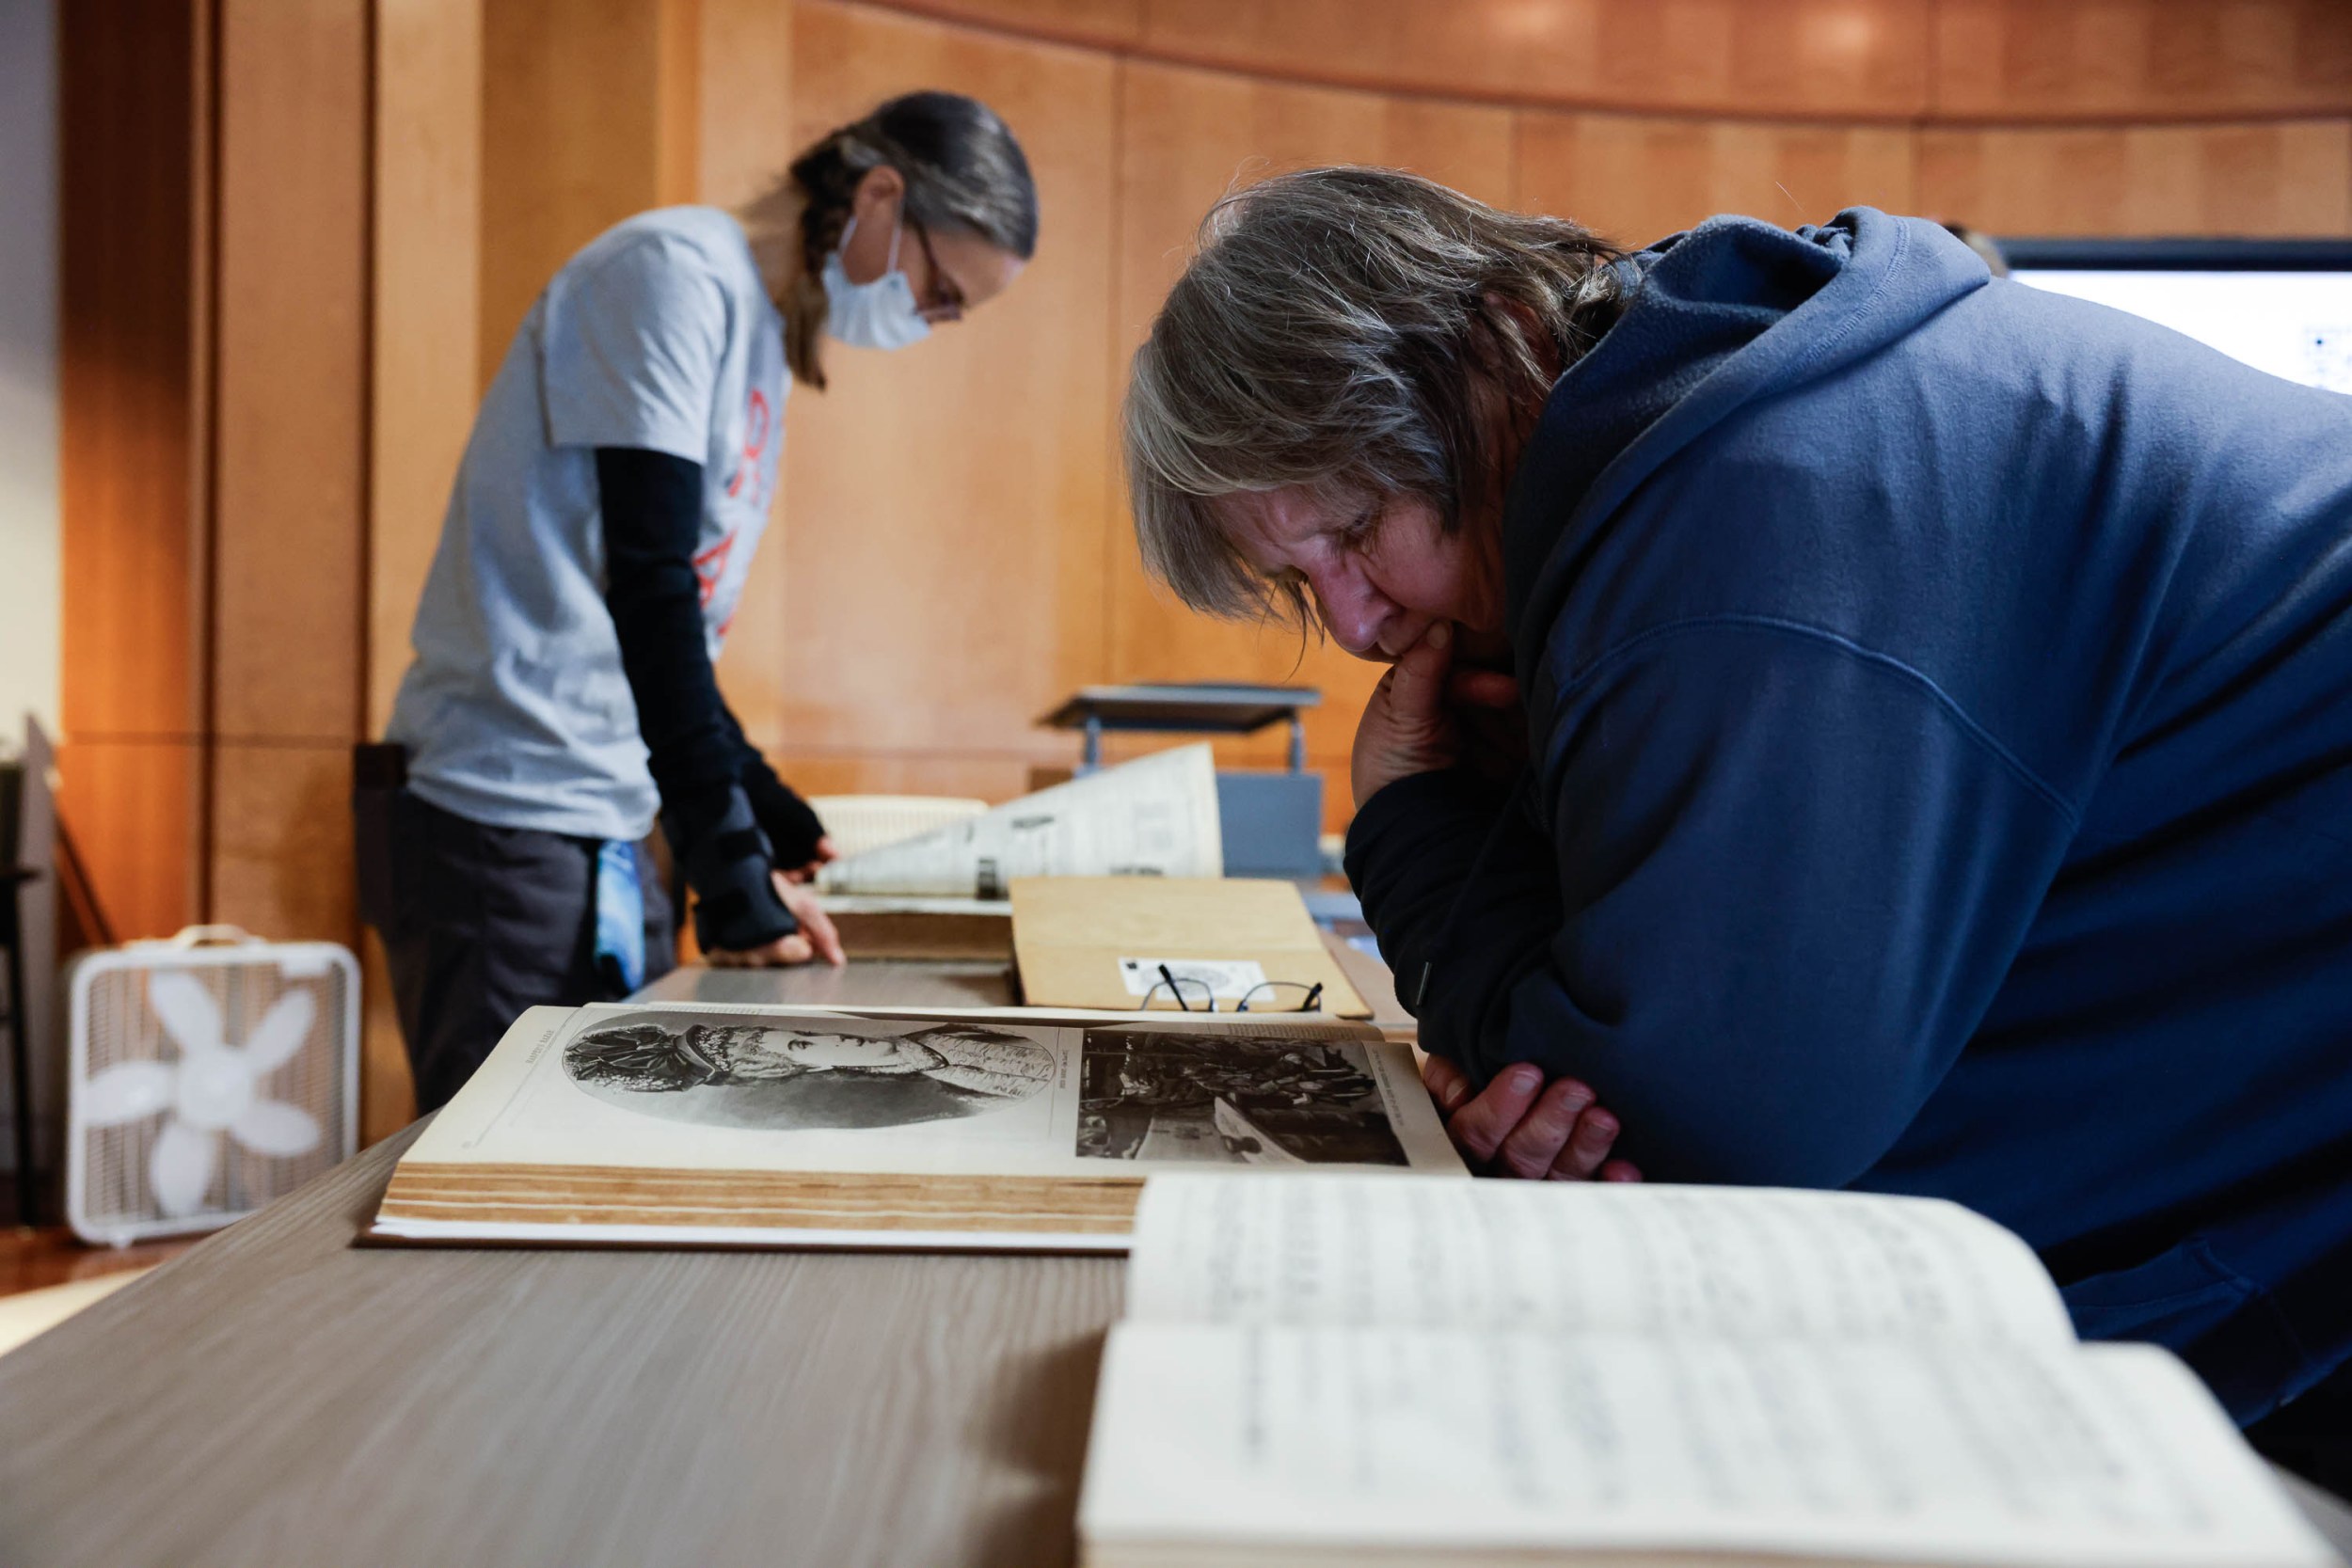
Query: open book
(1322, 1370)
(1156, 817)
(682, 1125)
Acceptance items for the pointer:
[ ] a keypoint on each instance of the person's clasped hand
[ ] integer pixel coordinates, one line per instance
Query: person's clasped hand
(1426, 715)
(1519, 1126)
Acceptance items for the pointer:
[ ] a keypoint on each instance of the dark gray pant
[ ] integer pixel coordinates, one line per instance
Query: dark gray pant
(480, 922)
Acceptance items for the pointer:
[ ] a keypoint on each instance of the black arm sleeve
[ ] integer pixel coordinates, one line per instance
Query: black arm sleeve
(792, 826)
(1763, 932)
(652, 508)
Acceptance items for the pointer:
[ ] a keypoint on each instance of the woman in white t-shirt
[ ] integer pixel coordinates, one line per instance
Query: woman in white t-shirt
(612, 493)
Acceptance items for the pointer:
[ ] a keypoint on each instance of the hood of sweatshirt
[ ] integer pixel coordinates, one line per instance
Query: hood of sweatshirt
(1721, 317)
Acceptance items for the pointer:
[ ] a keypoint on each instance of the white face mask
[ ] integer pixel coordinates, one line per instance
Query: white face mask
(880, 314)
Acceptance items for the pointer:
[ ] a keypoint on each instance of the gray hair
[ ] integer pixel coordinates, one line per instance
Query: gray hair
(1344, 330)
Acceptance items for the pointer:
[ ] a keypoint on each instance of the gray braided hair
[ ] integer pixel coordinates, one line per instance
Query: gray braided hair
(1332, 330)
(963, 168)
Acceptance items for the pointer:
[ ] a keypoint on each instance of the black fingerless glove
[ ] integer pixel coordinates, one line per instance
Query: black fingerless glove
(736, 907)
(791, 827)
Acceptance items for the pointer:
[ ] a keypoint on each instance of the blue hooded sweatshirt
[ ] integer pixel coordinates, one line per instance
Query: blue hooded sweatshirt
(1940, 706)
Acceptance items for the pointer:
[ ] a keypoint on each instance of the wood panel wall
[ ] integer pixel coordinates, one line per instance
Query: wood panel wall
(425, 374)
(132, 79)
(1785, 110)
(581, 127)
(214, 385)
(300, 234)
(2272, 177)
(2016, 60)
(942, 535)
(290, 471)
(2005, 61)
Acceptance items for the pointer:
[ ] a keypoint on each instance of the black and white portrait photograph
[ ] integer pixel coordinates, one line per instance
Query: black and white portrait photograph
(1147, 1095)
(724, 1070)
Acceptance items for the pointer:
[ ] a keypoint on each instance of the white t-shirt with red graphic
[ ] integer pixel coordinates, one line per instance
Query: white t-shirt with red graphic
(659, 334)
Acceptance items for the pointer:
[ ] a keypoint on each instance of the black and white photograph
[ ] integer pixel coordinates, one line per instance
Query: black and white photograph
(1148, 1095)
(730, 1071)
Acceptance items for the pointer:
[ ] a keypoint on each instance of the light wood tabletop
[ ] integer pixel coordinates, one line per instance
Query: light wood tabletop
(280, 1395)
(975, 984)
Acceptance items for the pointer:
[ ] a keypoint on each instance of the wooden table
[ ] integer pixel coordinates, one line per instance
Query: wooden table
(280, 1395)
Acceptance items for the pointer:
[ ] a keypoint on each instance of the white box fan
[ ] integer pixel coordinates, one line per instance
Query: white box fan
(210, 1074)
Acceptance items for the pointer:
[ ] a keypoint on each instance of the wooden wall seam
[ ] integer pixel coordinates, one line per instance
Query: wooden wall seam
(677, 99)
(370, 174)
(1934, 61)
(1114, 487)
(208, 136)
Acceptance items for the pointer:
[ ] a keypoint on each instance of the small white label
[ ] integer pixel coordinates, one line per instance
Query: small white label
(1227, 979)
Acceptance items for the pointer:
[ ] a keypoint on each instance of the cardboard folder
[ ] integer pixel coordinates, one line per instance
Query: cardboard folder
(1100, 941)
(886, 925)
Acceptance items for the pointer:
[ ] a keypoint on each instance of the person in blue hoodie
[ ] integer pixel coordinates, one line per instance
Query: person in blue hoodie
(1878, 726)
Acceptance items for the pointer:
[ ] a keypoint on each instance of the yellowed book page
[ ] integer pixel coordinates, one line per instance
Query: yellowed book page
(1755, 1262)
(999, 1092)
(1467, 1440)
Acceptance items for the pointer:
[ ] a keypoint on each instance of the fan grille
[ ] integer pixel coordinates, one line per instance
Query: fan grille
(122, 1027)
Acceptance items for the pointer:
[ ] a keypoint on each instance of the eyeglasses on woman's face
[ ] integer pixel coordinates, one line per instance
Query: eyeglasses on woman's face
(941, 299)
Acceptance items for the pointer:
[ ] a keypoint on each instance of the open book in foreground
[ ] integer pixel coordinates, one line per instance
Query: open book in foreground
(680, 1125)
(1323, 1369)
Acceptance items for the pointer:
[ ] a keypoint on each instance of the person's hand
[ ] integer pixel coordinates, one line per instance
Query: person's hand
(815, 938)
(815, 924)
(1427, 714)
(1407, 727)
(791, 948)
(826, 853)
(1518, 1126)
